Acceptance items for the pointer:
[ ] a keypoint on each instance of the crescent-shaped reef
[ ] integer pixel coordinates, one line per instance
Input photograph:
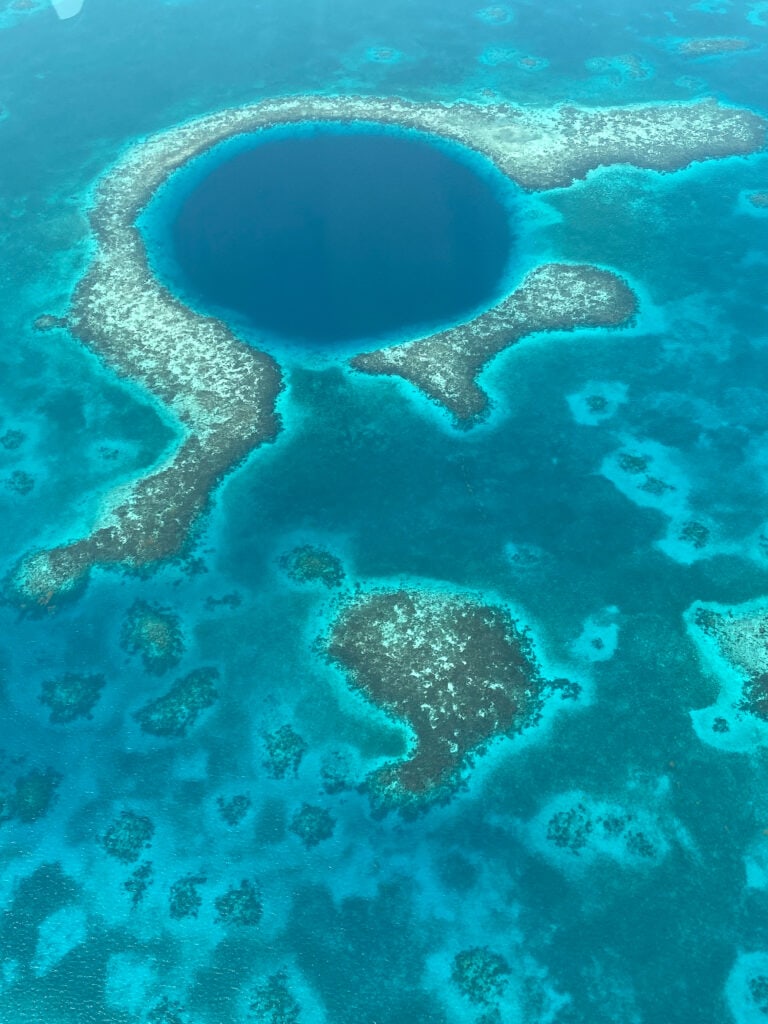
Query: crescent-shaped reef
(221, 393)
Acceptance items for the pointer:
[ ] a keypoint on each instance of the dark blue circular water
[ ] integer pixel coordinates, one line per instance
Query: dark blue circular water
(339, 234)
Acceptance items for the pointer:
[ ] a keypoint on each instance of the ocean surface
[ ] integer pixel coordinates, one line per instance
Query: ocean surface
(608, 864)
(332, 236)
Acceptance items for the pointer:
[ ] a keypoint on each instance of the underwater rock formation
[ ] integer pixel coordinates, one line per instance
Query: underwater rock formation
(480, 974)
(127, 836)
(311, 564)
(176, 711)
(49, 322)
(184, 900)
(154, 633)
(271, 1001)
(733, 642)
(138, 882)
(312, 824)
(713, 46)
(235, 809)
(32, 796)
(240, 905)
(285, 750)
(71, 696)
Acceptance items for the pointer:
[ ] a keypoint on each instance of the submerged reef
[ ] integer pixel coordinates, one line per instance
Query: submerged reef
(235, 809)
(575, 831)
(128, 836)
(715, 46)
(12, 439)
(176, 711)
(49, 322)
(167, 1011)
(221, 393)
(31, 797)
(154, 633)
(138, 882)
(575, 827)
(183, 899)
(20, 482)
(336, 772)
(285, 750)
(311, 564)
(240, 905)
(457, 671)
(272, 1001)
(480, 974)
(733, 642)
(553, 297)
(71, 696)
(312, 824)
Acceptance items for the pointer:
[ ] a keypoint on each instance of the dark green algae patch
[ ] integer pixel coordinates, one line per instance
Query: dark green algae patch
(458, 671)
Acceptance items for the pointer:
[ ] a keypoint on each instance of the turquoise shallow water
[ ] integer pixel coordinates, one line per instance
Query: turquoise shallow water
(535, 507)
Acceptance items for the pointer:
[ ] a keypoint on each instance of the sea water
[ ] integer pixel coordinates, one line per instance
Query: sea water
(538, 507)
(329, 235)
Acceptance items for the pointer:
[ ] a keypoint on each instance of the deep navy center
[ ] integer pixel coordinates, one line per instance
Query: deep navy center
(344, 233)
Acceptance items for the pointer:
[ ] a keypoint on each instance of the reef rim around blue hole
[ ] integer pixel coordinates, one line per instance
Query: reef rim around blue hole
(325, 237)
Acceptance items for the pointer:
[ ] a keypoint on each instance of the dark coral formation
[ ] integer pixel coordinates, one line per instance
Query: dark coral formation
(72, 696)
(128, 836)
(167, 1011)
(48, 322)
(758, 989)
(312, 824)
(13, 439)
(572, 828)
(240, 905)
(480, 974)
(759, 200)
(184, 900)
(742, 639)
(553, 297)
(139, 881)
(153, 633)
(694, 533)
(235, 809)
(176, 711)
(272, 1001)
(459, 672)
(336, 772)
(713, 46)
(755, 696)
(32, 796)
(311, 564)
(285, 750)
(638, 465)
(20, 482)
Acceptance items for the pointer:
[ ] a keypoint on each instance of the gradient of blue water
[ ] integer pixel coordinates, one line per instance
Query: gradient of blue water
(367, 922)
(333, 236)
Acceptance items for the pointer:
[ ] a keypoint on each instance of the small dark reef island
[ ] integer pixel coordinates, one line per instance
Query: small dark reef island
(459, 671)
(222, 393)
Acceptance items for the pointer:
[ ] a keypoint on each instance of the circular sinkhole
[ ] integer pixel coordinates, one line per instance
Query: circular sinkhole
(334, 236)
